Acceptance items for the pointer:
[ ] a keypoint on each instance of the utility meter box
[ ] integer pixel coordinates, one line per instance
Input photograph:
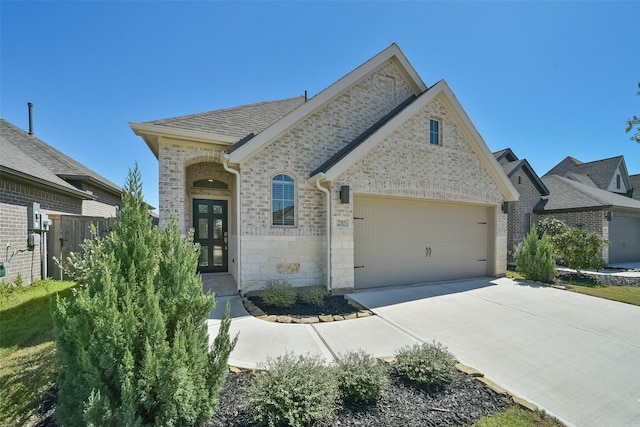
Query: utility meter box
(3, 270)
(45, 222)
(34, 239)
(33, 216)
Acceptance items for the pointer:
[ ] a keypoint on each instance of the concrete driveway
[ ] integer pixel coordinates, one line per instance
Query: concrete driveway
(577, 357)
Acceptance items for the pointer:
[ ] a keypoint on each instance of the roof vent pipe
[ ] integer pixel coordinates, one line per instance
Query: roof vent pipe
(305, 96)
(30, 105)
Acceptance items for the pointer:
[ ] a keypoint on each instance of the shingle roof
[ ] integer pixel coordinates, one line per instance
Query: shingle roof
(505, 156)
(567, 194)
(512, 167)
(25, 154)
(236, 121)
(634, 182)
(600, 172)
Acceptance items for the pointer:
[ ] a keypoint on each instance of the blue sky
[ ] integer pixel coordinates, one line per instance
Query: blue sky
(547, 79)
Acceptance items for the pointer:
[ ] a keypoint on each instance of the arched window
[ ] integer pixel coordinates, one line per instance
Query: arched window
(210, 183)
(283, 207)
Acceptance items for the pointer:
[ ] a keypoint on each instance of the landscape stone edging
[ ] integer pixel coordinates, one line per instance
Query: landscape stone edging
(259, 314)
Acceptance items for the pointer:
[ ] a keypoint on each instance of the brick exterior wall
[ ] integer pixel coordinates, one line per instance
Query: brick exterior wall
(14, 198)
(522, 219)
(104, 205)
(594, 221)
(402, 165)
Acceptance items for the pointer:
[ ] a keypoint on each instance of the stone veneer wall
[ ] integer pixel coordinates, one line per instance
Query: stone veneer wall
(406, 165)
(298, 254)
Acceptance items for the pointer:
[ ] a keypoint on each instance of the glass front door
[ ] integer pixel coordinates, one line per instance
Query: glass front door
(210, 225)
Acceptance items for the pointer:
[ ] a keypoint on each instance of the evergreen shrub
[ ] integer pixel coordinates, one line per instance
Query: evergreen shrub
(132, 342)
(535, 258)
(279, 293)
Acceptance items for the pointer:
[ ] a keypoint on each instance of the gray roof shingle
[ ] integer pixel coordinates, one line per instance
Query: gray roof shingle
(28, 155)
(236, 122)
(599, 172)
(568, 194)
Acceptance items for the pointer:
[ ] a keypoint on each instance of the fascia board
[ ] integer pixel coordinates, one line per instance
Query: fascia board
(38, 182)
(150, 133)
(262, 139)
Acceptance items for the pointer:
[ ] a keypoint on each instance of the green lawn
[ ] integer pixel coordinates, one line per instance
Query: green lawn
(27, 349)
(626, 294)
(517, 416)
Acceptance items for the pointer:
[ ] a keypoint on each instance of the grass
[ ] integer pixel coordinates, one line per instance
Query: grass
(27, 348)
(517, 416)
(626, 294)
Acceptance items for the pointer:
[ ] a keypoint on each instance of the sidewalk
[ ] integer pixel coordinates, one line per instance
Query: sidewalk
(573, 355)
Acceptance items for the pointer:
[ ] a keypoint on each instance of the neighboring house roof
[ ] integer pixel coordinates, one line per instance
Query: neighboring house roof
(27, 157)
(505, 156)
(512, 167)
(570, 195)
(600, 172)
(634, 182)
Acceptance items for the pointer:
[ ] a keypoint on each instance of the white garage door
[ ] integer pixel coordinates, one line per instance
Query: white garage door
(624, 235)
(400, 241)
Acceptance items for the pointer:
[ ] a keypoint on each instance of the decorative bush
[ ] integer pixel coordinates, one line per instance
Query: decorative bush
(293, 390)
(580, 249)
(361, 377)
(535, 258)
(132, 341)
(314, 295)
(427, 363)
(279, 293)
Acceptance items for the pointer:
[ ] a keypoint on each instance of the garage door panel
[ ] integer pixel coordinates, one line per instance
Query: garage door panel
(624, 237)
(398, 241)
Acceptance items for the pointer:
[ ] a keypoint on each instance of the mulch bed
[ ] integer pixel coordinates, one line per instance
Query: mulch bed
(461, 402)
(335, 304)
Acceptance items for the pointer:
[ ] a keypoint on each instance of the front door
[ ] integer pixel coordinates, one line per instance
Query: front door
(210, 224)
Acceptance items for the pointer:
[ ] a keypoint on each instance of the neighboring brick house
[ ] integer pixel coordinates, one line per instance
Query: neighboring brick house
(531, 190)
(378, 180)
(596, 196)
(31, 171)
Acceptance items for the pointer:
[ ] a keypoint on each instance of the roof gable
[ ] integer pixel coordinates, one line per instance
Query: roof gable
(570, 195)
(392, 53)
(47, 160)
(602, 173)
(512, 167)
(358, 148)
(505, 156)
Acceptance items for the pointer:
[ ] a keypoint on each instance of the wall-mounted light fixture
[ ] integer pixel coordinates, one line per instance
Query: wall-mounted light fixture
(608, 215)
(506, 207)
(344, 194)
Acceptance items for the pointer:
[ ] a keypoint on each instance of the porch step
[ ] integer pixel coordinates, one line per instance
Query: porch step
(222, 285)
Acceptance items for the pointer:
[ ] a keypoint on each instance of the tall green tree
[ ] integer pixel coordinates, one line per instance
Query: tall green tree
(132, 342)
(634, 121)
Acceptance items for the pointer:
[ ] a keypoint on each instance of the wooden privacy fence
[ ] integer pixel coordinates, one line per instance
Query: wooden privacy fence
(66, 234)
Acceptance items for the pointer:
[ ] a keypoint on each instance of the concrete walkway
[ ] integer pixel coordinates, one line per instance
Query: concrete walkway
(577, 357)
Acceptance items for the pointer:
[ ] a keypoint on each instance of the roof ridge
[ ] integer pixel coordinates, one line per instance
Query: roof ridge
(227, 109)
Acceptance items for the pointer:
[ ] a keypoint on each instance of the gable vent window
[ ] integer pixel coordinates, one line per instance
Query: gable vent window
(210, 183)
(434, 131)
(283, 201)
(618, 182)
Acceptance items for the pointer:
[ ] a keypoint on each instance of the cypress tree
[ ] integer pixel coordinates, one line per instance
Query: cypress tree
(132, 342)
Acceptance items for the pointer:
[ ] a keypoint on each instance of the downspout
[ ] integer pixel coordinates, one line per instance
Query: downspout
(328, 197)
(225, 165)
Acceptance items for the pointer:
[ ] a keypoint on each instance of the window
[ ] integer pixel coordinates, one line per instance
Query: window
(210, 183)
(618, 182)
(434, 132)
(283, 200)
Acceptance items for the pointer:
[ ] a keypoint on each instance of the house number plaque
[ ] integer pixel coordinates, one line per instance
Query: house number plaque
(343, 222)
